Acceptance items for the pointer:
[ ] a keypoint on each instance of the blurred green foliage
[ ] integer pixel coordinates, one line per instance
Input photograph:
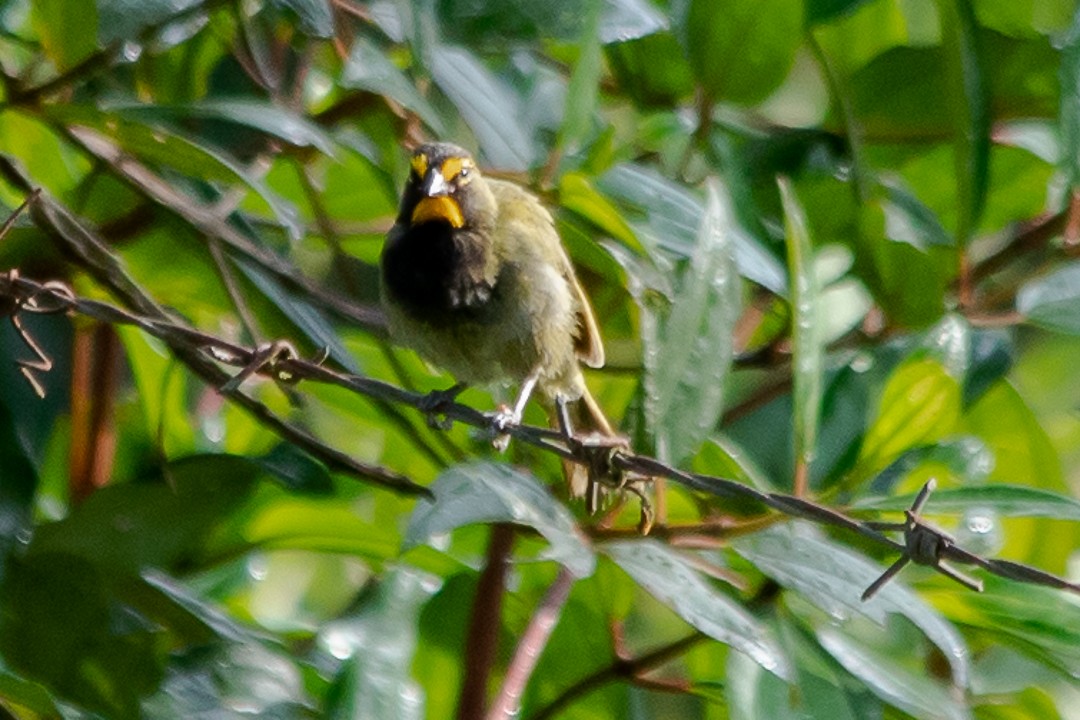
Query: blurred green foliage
(830, 242)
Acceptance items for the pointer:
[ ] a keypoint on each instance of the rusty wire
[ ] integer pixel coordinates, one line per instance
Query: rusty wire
(923, 543)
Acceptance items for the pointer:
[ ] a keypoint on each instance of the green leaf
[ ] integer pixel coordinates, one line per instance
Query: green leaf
(820, 11)
(724, 457)
(369, 68)
(834, 578)
(742, 50)
(494, 24)
(651, 83)
(920, 404)
(685, 368)
(1015, 500)
(60, 625)
(131, 526)
(1069, 109)
(316, 17)
(295, 306)
(842, 306)
(297, 470)
(125, 19)
(673, 218)
(266, 117)
(672, 580)
(69, 31)
(969, 105)
(912, 692)
(319, 524)
(162, 387)
(18, 485)
(1053, 301)
(231, 681)
(490, 107)
(630, 19)
(161, 146)
(966, 458)
(379, 640)
(1039, 621)
(576, 193)
(484, 492)
(992, 356)
(584, 88)
(808, 350)
(32, 696)
(1023, 455)
(908, 220)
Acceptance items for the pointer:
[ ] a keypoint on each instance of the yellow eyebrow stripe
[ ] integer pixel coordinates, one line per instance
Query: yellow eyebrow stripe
(451, 168)
(419, 164)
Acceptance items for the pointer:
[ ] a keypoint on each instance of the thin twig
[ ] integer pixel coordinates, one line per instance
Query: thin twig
(483, 638)
(531, 645)
(622, 669)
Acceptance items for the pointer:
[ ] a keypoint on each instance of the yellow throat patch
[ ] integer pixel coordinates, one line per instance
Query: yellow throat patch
(438, 208)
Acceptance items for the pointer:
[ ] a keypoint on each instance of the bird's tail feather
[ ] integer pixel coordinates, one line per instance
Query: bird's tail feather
(586, 417)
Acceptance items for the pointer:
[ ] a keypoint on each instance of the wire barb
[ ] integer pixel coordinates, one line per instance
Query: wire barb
(924, 544)
(41, 299)
(610, 462)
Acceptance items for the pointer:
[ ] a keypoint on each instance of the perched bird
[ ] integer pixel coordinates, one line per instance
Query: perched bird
(475, 279)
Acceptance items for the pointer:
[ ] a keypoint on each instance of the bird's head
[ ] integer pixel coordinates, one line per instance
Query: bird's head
(444, 186)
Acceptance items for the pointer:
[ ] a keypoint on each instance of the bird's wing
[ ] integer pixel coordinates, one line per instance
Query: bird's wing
(587, 342)
(589, 346)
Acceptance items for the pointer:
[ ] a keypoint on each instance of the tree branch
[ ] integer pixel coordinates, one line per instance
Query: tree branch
(530, 647)
(482, 642)
(621, 669)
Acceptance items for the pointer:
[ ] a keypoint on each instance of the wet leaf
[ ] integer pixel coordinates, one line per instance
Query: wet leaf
(1005, 499)
(920, 404)
(487, 104)
(685, 370)
(673, 217)
(672, 580)
(368, 68)
(834, 578)
(1053, 301)
(316, 17)
(484, 492)
(125, 19)
(913, 692)
(808, 349)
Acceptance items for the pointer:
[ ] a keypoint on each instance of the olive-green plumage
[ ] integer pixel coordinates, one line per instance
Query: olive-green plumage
(495, 299)
(476, 280)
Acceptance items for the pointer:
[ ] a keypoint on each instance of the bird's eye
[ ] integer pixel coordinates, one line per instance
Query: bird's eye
(464, 172)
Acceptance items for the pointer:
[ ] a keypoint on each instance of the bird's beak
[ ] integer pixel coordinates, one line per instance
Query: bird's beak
(435, 184)
(437, 204)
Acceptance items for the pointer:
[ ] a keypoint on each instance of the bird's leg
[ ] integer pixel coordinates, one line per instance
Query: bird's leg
(434, 405)
(504, 417)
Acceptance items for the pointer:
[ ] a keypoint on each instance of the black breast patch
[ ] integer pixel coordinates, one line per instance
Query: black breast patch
(436, 274)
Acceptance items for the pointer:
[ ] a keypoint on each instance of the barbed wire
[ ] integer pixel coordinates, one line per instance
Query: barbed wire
(205, 355)
(922, 544)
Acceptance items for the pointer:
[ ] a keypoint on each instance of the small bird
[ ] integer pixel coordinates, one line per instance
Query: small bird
(476, 280)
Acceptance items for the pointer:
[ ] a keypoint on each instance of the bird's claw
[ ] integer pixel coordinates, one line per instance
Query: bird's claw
(501, 420)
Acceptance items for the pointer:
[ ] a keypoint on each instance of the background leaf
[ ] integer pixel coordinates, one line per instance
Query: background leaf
(717, 34)
(486, 492)
(686, 369)
(671, 580)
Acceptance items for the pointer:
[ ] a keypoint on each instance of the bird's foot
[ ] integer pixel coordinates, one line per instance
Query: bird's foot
(501, 420)
(435, 404)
